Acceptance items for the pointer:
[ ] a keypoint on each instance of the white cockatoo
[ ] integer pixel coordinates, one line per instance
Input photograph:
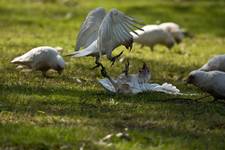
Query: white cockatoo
(212, 82)
(153, 35)
(41, 58)
(173, 29)
(135, 83)
(215, 63)
(102, 32)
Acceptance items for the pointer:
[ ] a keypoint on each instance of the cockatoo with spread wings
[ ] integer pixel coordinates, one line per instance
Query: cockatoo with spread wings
(102, 32)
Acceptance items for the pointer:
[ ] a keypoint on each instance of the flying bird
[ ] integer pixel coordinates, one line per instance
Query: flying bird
(212, 82)
(102, 32)
(215, 63)
(41, 58)
(153, 35)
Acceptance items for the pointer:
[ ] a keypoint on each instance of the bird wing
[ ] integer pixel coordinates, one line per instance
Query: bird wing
(115, 31)
(25, 58)
(89, 29)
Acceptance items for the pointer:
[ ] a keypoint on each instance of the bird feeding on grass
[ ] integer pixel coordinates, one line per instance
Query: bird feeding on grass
(174, 29)
(215, 63)
(41, 58)
(212, 82)
(102, 32)
(153, 35)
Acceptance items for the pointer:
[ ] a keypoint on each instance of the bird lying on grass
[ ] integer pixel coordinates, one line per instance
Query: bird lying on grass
(215, 63)
(125, 82)
(135, 83)
(212, 82)
(153, 35)
(41, 58)
(102, 32)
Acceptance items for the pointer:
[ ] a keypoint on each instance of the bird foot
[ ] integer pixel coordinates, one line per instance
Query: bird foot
(115, 58)
(104, 73)
(126, 69)
(98, 64)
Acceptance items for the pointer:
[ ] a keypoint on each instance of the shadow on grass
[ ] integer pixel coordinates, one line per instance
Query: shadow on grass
(64, 101)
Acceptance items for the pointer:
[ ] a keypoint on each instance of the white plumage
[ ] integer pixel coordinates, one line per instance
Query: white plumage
(174, 29)
(102, 32)
(136, 83)
(215, 63)
(41, 58)
(212, 82)
(153, 35)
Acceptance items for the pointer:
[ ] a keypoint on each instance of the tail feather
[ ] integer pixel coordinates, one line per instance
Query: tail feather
(80, 53)
(16, 60)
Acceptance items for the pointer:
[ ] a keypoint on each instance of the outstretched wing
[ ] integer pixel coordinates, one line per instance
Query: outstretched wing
(89, 29)
(115, 31)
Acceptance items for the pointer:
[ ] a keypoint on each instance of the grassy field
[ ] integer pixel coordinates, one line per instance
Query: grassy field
(60, 113)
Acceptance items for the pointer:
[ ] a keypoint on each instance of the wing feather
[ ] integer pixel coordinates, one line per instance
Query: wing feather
(115, 31)
(89, 29)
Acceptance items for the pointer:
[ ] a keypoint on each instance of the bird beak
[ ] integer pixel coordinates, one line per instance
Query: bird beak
(188, 80)
(178, 41)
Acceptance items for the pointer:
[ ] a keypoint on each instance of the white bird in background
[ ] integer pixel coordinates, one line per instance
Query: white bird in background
(212, 82)
(41, 58)
(215, 63)
(153, 35)
(173, 29)
(101, 33)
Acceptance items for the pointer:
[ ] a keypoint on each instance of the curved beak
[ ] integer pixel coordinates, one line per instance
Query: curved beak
(188, 80)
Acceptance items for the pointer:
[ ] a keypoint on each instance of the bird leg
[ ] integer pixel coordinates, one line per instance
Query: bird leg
(126, 68)
(98, 64)
(105, 75)
(152, 48)
(113, 59)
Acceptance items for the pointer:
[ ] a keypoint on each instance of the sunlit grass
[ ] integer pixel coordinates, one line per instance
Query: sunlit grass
(60, 113)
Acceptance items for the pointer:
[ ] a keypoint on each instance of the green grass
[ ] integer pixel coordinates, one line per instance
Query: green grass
(59, 113)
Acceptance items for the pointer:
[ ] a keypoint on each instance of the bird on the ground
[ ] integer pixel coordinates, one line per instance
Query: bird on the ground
(212, 82)
(128, 83)
(135, 83)
(41, 58)
(153, 35)
(174, 29)
(215, 63)
(102, 32)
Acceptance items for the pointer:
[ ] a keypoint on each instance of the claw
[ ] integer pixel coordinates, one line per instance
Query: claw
(104, 73)
(98, 64)
(126, 69)
(116, 57)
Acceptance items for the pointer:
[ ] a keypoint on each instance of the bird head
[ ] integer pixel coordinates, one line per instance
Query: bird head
(170, 41)
(196, 77)
(60, 64)
(178, 36)
(144, 73)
